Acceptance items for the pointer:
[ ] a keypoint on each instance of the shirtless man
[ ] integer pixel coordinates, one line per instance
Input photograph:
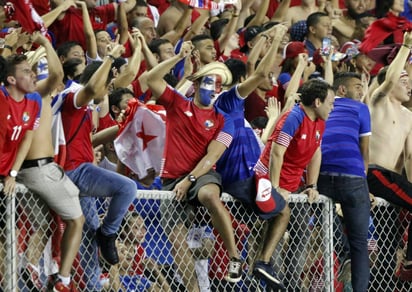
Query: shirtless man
(47, 180)
(391, 141)
(301, 12)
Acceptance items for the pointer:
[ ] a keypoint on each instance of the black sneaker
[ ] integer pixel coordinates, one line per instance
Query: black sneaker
(107, 244)
(266, 272)
(234, 273)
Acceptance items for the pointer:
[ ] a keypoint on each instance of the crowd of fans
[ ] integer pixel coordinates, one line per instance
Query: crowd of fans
(260, 99)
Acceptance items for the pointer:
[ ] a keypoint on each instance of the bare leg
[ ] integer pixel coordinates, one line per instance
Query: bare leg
(208, 196)
(70, 244)
(276, 229)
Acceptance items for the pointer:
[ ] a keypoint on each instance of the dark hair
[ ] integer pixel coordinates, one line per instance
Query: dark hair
(313, 89)
(382, 75)
(91, 69)
(119, 62)
(217, 27)
(342, 78)
(3, 69)
(11, 63)
(200, 37)
(115, 97)
(125, 228)
(69, 68)
(314, 19)
(248, 19)
(141, 3)
(288, 66)
(382, 7)
(237, 68)
(65, 48)
(155, 44)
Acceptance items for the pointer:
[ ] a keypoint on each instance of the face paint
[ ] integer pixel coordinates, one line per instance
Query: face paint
(207, 89)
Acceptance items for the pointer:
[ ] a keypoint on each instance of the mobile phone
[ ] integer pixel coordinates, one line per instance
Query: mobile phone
(326, 47)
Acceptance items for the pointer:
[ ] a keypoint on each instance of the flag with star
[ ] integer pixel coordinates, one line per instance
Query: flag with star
(27, 16)
(140, 142)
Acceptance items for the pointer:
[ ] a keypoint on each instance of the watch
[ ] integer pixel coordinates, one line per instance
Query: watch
(13, 173)
(191, 178)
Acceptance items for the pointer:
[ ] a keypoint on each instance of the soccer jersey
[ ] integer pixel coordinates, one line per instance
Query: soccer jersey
(22, 116)
(189, 131)
(349, 121)
(77, 125)
(71, 26)
(238, 160)
(302, 137)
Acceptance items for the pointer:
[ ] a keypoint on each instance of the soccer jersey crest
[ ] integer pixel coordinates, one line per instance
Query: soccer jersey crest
(26, 117)
(209, 124)
(317, 136)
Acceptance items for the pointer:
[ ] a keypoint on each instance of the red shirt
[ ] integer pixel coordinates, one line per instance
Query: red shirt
(106, 122)
(189, 131)
(22, 116)
(70, 28)
(302, 137)
(77, 125)
(4, 111)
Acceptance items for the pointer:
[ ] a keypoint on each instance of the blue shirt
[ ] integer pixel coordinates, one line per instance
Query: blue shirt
(238, 160)
(347, 123)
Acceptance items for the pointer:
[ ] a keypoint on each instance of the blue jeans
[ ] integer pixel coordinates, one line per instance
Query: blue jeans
(94, 182)
(353, 195)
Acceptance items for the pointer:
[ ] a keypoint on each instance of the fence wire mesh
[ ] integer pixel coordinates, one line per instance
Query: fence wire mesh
(158, 255)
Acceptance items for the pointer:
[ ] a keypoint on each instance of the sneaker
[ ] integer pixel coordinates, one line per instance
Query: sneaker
(405, 274)
(234, 273)
(266, 272)
(60, 287)
(344, 273)
(31, 276)
(107, 244)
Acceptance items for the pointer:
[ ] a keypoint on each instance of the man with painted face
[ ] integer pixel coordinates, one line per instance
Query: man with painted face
(197, 134)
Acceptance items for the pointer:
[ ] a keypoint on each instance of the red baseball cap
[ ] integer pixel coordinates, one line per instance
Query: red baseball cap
(292, 50)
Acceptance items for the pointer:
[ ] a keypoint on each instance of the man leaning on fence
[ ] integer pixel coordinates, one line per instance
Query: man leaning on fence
(196, 136)
(295, 143)
(345, 157)
(23, 118)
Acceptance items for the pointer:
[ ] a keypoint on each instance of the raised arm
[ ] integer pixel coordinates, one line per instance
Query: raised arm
(55, 77)
(155, 76)
(122, 24)
(91, 43)
(178, 30)
(97, 83)
(128, 5)
(394, 70)
(56, 13)
(260, 15)
(266, 64)
(231, 26)
(281, 11)
(129, 72)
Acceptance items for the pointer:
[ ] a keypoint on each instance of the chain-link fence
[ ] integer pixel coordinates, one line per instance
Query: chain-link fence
(150, 245)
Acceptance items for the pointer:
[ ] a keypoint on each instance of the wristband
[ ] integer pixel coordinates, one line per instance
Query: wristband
(312, 186)
(8, 47)
(404, 45)
(112, 58)
(235, 15)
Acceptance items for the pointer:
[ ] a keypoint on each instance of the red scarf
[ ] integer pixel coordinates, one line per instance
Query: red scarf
(382, 28)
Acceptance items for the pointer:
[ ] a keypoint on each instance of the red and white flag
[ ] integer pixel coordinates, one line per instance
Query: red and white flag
(140, 142)
(203, 4)
(27, 16)
(59, 140)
